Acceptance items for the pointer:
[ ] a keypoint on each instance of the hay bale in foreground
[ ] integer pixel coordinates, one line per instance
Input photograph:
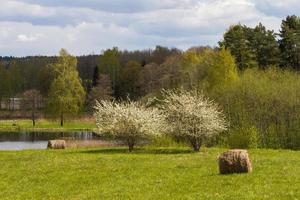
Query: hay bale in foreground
(56, 144)
(234, 161)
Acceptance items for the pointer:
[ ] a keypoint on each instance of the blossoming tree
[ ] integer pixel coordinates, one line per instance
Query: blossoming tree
(130, 121)
(192, 116)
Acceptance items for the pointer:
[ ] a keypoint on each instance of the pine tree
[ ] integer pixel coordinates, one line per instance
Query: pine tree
(290, 42)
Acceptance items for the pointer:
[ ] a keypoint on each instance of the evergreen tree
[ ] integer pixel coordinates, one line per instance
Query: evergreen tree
(265, 45)
(95, 76)
(236, 40)
(290, 41)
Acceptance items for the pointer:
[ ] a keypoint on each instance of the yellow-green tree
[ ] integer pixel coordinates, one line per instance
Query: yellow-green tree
(66, 95)
(222, 70)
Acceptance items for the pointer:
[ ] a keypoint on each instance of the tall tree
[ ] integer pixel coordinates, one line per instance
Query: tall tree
(5, 83)
(222, 70)
(45, 78)
(109, 63)
(290, 41)
(16, 78)
(236, 40)
(32, 100)
(265, 45)
(129, 86)
(95, 76)
(66, 95)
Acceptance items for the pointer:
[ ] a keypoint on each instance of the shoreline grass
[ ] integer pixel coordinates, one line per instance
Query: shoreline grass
(43, 125)
(147, 173)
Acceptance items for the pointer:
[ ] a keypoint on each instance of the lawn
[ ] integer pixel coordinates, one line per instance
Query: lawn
(47, 125)
(145, 174)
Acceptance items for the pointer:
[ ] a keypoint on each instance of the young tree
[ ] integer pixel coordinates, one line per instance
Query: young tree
(222, 70)
(32, 100)
(192, 116)
(130, 121)
(66, 95)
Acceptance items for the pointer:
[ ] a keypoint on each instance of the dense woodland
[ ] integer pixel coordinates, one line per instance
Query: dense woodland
(253, 75)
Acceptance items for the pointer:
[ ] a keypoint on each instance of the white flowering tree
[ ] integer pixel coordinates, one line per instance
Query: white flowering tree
(130, 121)
(192, 116)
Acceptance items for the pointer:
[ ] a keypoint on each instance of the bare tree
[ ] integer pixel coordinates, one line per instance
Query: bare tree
(32, 100)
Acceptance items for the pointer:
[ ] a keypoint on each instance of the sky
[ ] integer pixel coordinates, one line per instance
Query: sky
(42, 27)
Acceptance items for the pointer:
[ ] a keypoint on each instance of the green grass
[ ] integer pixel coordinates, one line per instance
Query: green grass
(145, 174)
(46, 125)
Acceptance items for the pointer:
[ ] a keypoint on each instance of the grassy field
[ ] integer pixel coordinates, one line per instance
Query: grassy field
(46, 125)
(145, 174)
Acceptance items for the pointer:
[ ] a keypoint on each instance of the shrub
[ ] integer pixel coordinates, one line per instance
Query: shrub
(269, 100)
(130, 121)
(192, 116)
(243, 138)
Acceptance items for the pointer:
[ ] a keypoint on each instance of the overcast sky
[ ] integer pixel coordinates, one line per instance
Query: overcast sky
(42, 27)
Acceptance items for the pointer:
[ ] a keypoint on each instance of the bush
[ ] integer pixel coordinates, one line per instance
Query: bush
(192, 116)
(270, 101)
(243, 138)
(129, 121)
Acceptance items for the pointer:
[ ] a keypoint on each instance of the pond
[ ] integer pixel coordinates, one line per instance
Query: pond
(39, 140)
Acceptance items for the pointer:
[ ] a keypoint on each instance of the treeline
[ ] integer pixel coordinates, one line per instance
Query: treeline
(253, 75)
(18, 75)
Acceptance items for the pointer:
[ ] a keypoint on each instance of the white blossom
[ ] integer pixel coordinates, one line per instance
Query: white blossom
(192, 116)
(128, 120)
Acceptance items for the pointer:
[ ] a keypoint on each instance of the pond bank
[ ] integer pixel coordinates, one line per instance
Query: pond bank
(43, 125)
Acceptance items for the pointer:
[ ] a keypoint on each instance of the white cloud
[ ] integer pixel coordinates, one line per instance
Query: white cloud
(28, 38)
(29, 27)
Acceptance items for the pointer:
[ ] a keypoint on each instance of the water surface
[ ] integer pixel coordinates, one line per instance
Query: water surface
(39, 140)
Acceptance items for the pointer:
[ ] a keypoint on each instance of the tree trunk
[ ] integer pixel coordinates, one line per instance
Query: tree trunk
(62, 119)
(33, 119)
(130, 143)
(196, 144)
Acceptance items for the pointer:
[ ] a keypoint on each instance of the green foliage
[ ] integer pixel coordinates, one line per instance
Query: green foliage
(235, 39)
(290, 41)
(268, 100)
(109, 64)
(129, 86)
(5, 83)
(66, 95)
(222, 71)
(243, 138)
(252, 46)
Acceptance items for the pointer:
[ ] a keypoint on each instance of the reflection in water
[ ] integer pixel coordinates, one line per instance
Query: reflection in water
(38, 140)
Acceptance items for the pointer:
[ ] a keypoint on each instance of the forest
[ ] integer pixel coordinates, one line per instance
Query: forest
(253, 74)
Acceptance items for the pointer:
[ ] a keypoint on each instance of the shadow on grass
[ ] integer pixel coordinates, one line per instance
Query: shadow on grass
(136, 151)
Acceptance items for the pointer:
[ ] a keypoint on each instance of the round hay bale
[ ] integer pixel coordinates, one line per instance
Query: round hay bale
(234, 161)
(56, 144)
